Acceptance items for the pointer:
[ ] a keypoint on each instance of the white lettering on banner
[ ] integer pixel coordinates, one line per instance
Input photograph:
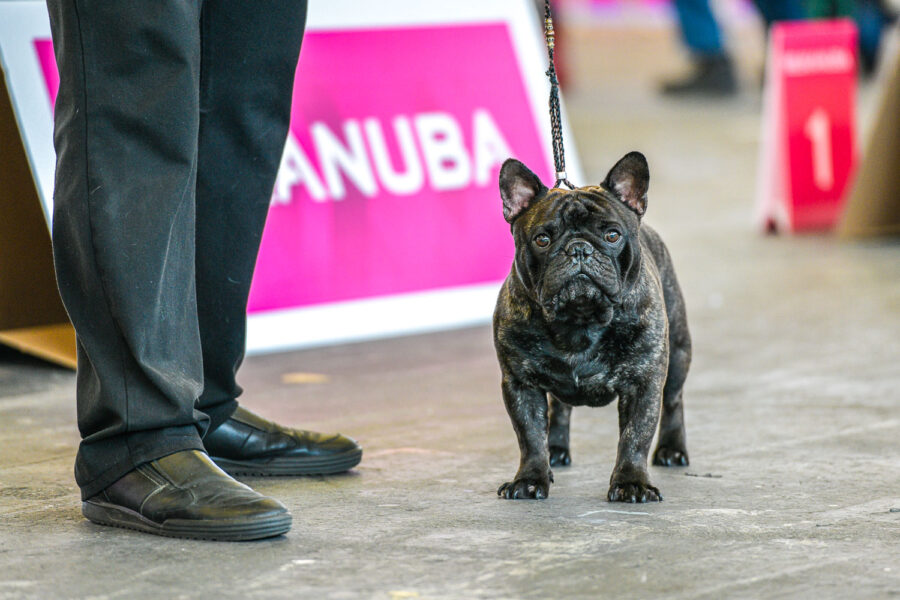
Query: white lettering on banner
(445, 158)
(808, 62)
(296, 169)
(334, 158)
(489, 146)
(396, 183)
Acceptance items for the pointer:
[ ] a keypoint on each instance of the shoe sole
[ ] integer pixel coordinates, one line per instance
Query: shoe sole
(232, 530)
(284, 466)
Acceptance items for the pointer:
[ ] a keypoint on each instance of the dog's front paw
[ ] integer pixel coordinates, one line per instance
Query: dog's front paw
(536, 488)
(560, 457)
(668, 456)
(633, 491)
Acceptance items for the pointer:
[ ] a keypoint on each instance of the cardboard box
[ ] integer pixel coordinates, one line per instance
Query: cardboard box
(32, 317)
(873, 207)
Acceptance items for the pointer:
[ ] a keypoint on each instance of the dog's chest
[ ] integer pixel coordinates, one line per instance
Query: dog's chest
(586, 383)
(577, 379)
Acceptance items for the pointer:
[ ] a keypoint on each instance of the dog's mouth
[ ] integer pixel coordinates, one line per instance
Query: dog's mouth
(578, 298)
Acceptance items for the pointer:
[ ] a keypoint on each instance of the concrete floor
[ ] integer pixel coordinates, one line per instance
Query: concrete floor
(792, 416)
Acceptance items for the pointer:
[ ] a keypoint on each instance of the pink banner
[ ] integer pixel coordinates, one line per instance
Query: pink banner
(389, 180)
(47, 60)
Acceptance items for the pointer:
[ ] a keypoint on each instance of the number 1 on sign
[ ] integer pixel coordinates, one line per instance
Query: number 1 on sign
(818, 130)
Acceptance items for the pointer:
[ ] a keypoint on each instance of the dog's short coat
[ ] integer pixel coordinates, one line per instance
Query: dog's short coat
(591, 312)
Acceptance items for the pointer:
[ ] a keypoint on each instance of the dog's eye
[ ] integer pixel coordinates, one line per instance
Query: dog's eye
(542, 240)
(612, 236)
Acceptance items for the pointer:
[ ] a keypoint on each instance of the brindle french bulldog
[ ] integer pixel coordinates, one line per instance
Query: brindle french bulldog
(591, 312)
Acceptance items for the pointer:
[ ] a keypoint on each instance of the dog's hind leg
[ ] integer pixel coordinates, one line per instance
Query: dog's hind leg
(671, 450)
(560, 412)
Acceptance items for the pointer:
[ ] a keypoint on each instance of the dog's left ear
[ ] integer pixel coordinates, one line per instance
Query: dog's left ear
(629, 179)
(518, 188)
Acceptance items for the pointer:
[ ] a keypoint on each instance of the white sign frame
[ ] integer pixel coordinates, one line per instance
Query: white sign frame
(20, 23)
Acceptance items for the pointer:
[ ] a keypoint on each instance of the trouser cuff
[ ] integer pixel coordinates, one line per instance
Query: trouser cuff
(100, 464)
(218, 414)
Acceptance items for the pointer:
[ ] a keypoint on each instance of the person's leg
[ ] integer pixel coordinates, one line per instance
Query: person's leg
(249, 57)
(871, 19)
(699, 28)
(712, 73)
(123, 227)
(127, 118)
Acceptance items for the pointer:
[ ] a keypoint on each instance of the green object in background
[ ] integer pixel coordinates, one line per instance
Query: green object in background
(817, 9)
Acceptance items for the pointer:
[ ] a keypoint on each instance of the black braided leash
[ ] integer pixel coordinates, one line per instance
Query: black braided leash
(559, 153)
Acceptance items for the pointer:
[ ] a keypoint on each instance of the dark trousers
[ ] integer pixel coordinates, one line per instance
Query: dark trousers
(171, 119)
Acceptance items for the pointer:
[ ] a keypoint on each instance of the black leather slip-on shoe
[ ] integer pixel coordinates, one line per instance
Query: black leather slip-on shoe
(247, 444)
(186, 495)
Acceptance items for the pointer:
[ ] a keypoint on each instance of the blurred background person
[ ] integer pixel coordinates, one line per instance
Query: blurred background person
(713, 72)
(871, 17)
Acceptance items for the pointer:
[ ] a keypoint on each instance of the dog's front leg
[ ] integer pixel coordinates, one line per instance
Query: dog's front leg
(638, 416)
(560, 413)
(527, 408)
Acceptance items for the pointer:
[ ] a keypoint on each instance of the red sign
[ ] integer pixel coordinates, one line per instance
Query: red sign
(808, 139)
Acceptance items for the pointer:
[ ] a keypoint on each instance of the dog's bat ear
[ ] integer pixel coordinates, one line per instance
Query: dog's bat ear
(629, 179)
(518, 188)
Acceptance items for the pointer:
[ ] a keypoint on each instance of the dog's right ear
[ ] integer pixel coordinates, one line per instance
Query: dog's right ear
(629, 180)
(518, 188)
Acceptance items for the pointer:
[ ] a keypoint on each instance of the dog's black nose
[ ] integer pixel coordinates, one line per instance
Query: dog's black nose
(579, 248)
